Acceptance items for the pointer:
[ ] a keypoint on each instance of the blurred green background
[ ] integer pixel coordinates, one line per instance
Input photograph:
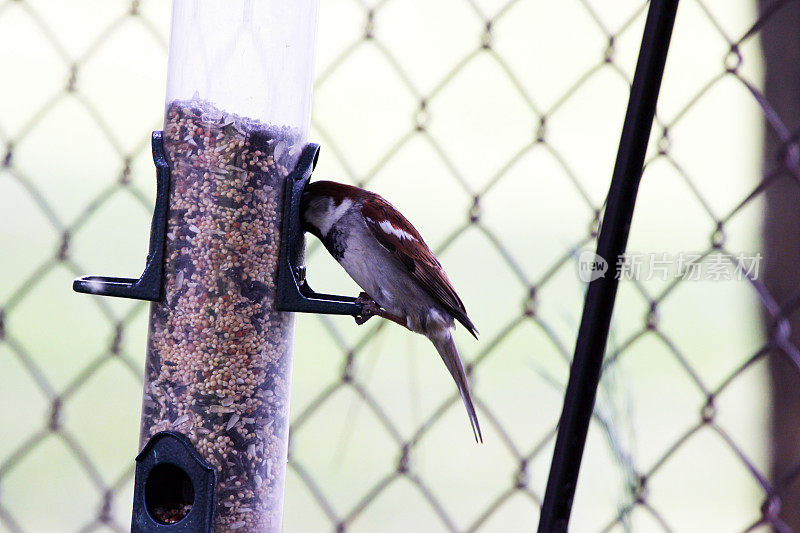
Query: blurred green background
(83, 86)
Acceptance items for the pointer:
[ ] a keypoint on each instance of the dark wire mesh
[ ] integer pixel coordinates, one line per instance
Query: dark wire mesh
(370, 22)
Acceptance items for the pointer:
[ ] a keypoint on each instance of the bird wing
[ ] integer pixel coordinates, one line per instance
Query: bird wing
(397, 235)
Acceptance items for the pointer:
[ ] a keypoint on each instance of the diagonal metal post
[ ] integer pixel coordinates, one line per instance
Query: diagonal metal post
(599, 304)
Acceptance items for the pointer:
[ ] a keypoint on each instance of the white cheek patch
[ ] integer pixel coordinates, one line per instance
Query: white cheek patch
(388, 227)
(334, 215)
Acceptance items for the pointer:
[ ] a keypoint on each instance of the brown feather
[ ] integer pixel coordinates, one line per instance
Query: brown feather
(414, 254)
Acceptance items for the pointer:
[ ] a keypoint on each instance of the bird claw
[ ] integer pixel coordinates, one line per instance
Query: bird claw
(368, 308)
(363, 298)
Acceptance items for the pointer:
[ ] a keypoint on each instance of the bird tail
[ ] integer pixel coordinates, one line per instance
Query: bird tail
(447, 350)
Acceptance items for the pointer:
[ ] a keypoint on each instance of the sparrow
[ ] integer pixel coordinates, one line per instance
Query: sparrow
(386, 256)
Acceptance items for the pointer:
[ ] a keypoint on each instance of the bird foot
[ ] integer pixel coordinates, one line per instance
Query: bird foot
(368, 308)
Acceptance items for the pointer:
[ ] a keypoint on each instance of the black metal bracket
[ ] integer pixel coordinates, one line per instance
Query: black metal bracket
(293, 291)
(149, 285)
(170, 474)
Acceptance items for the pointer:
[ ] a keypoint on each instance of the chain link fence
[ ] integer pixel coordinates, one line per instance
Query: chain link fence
(493, 125)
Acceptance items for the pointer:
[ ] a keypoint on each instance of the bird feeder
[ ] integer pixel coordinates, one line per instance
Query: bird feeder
(231, 162)
(219, 354)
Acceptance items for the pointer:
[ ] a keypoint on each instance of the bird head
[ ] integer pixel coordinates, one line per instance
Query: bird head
(324, 203)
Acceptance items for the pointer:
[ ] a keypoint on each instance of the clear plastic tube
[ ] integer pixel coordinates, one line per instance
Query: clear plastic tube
(219, 355)
(249, 57)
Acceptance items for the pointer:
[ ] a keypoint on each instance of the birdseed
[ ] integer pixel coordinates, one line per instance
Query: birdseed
(219, 354)
(173, 514)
